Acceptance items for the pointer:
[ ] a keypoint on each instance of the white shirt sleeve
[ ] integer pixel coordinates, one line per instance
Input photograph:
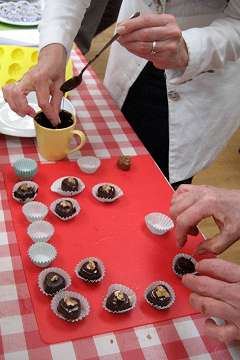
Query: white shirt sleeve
(60, 22)
(210, 47)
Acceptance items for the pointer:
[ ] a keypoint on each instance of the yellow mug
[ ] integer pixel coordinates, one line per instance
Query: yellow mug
(53, 144)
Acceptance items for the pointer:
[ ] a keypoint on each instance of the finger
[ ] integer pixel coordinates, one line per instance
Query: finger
(17, 101)
(213, 288)
(213, 308)
(218, 244)
(43, 96)
(219, 269)
(223, 333)
(187, 220)
(183, 188)
(143, 21)
(182, 201)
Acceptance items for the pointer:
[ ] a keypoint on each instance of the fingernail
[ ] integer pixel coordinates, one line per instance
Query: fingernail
(202, 252)
(121, 29)
(54, 124)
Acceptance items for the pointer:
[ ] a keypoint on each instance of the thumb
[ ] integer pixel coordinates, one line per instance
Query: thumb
(216, 245)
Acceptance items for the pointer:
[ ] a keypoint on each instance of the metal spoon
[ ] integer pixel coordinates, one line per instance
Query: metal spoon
(76, 80)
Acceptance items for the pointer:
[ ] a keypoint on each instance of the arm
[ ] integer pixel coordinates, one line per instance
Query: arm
(216, 294)
(191, 203)
(184, 54)
(60, 23)
(211, 47)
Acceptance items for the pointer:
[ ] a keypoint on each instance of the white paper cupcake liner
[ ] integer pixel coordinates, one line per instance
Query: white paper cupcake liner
(56, 187)
(85, 308)
(185, 256)
(153, 286)
(30, 183)
(35, 211)
(100, 265)
(42, 254)
(74, 203)
(124, 289)
(89, 164)
(40, 231)
(118, 192)
(63, 273)
(158, 223)
(25, 169)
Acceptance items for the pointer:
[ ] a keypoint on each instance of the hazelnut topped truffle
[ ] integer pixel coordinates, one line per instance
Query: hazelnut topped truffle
(65, 208)
(69, 184)
(25, 191)
(106, 191)
(118, 301)
(159, 296)
(90, 271)
(69, 308)
(53, 282)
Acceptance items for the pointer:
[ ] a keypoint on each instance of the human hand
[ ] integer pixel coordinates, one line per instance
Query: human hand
(191, 203)
(215, 293)
(137, 36)
(45, 78)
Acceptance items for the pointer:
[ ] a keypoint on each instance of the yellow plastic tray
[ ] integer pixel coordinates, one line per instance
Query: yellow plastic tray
(16, 60)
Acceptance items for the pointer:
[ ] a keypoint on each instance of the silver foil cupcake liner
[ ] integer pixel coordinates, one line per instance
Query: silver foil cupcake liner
(40, 231)
(85, 308)
(186, 256)
(118, 192)
(63, 273)
(56, 187)
(74, 203)
(34, 211)
(42, 254)
(152, 287)
(158, 223)
(89, 164)
(100, 265)
(124, 289)
(30, 183)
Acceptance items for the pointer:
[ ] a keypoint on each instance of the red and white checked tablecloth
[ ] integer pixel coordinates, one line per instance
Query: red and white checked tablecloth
(108, 134)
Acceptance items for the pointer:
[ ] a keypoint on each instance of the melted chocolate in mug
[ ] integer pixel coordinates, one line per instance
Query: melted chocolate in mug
(65, 117)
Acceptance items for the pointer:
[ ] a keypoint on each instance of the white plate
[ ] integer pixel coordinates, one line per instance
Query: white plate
(23, 23)
(13, 124)
(19, 23)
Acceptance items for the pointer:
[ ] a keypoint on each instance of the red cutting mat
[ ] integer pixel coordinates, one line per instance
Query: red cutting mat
(114, 232)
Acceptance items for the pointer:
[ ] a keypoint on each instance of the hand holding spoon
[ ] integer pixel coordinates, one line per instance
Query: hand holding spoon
(76, 80)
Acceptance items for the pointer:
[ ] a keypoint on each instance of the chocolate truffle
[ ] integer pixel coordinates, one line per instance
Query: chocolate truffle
(69, 184)
(159, 296)
(90, 271)
(106, 191)
(65, 208)
(183, 266)
(53, 283)
(118, 301)
(124, 163)
(24, 191)
(70, 308)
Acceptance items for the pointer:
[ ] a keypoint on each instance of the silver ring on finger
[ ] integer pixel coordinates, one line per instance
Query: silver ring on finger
(154, 44)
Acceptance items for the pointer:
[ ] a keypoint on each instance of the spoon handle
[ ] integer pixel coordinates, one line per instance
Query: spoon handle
(110, 42)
